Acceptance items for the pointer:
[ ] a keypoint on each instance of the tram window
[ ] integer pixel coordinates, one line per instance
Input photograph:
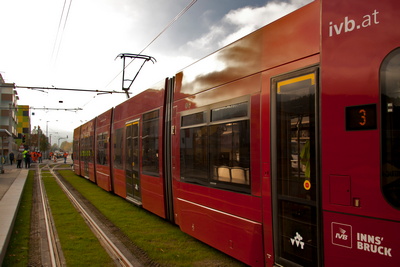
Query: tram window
(83, 147)
(102, 149)
(296, 134)
(390, 104)
(90, 148)
(194, 119)
(76, 149)
(194, 151)
(128, 145)
(150, 162)
(217, 153)
(118, 148)
(229, 112)
(87, 151)
(230, 152)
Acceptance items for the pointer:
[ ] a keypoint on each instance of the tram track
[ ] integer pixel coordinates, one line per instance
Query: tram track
(115, 252)
(51, 254)
(48, 251)
(55, 251)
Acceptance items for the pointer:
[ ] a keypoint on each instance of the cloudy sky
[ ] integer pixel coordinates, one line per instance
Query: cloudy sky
(74, 44)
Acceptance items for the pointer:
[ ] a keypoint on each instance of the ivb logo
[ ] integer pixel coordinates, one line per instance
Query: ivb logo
(341, 234)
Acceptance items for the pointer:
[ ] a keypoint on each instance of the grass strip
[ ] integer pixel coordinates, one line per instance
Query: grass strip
(163, 242)
(18, 248)
(79, 244)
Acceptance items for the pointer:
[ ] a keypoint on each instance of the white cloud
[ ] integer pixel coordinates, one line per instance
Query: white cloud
(240, 22)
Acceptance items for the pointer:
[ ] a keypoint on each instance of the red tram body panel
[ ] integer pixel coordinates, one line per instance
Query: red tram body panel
(360, 225)
(103, 149)
(227, 220)
(280, 149)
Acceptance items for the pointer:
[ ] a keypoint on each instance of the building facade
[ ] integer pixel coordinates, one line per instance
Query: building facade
(8, 116)
(24, 122)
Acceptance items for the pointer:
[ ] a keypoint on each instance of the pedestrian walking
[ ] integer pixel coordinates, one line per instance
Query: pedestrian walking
(33, 156)
(19, 160)
(65, 157)
(24, 155)
(11, 156)
(27, 158)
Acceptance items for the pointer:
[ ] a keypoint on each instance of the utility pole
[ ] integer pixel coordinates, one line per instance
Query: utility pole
(60, 139)
(38, 138)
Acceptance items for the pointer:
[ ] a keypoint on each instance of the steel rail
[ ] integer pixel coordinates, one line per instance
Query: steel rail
(51, 238)
(107, 242)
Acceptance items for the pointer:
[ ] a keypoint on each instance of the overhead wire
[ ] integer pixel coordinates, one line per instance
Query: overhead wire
(59, 37)
(169, 25)
(58, 29)
(63, 22)
(157, 36)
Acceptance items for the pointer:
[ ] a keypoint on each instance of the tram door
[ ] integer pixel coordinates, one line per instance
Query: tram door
(133, 191)
(295, 180)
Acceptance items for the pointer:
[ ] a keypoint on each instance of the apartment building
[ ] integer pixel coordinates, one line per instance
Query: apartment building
(8, 117)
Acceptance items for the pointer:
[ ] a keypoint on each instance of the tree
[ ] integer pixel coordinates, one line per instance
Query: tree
(33, 142)
(66, 146)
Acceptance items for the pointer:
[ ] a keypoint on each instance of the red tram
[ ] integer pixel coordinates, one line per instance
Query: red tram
(280, 149)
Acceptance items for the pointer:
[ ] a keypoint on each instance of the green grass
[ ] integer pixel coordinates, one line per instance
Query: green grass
(79, 244)
(18, 249)
(163, 242)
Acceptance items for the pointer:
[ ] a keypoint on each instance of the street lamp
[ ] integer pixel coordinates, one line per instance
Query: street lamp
(60, 139)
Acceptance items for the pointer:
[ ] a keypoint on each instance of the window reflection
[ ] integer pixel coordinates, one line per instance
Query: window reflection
(102, 149)
(150, 164)
(390, 90)
(118, 148)
(194, 161)
(296, 127)
(217, 153)
(230, 152)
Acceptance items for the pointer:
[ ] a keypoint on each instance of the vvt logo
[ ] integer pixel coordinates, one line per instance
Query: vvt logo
(341, 234)
(297, 241)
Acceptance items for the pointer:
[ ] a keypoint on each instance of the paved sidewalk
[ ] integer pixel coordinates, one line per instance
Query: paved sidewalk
(12, 182)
